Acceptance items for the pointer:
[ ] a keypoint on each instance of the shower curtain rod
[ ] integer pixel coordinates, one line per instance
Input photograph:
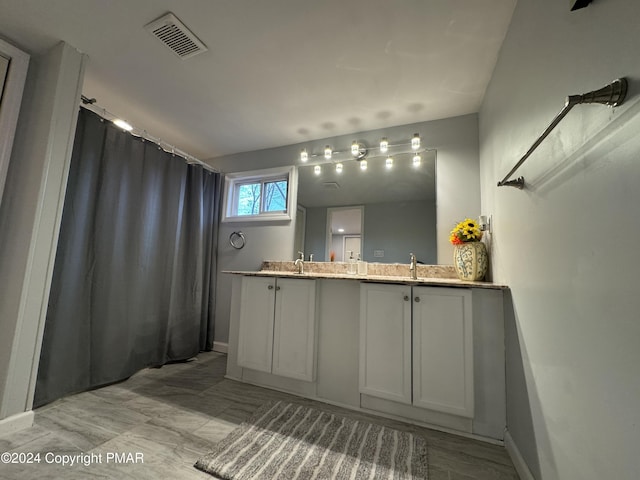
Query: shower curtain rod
(90, 104)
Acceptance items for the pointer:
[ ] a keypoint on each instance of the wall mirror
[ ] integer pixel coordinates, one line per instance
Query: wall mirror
(397, 204)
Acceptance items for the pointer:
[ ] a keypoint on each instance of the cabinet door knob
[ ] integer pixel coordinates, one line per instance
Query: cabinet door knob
(406, 298)
(277, 288)
(417, 299)
(270, 287)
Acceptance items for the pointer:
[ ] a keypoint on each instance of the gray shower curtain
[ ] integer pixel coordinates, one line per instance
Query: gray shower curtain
(134, 277)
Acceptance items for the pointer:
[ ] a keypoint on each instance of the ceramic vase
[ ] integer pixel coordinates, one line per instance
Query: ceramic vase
(470, 261)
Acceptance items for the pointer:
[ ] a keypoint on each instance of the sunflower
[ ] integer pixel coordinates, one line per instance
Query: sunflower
(465, 231)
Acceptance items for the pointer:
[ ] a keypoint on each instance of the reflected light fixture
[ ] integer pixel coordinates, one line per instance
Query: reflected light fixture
(122, 124)
(327, 152)
(338, 168)
(415, 142)
(389, 162)
(384, 145)
(304, 156)
(355, 148)
(341, 230)
(363, 165)
(416, 160)
(317, 169)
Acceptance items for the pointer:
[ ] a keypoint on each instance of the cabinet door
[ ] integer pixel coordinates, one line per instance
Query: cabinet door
(385, 341)
(255, 338)
(443, 350)
(294, 328)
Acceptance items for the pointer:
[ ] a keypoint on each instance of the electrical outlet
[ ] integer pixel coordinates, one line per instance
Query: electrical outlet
(486, 222)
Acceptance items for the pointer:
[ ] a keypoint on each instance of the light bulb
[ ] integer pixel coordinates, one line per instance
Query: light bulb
(338, 168)
(389, 162)
(317, 169)
(384, 145)
(122, 124)
(355, 149)
(327, 152)
(415, 142)
(363, 164)
(416, 160)
(304, 156)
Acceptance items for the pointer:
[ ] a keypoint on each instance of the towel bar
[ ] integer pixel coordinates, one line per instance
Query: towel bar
(611, 95)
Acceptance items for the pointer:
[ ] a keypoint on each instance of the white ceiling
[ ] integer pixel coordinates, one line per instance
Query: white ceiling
(277, 72)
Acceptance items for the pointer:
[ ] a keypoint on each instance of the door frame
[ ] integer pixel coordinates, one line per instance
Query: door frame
(11, 95)
(328, 235)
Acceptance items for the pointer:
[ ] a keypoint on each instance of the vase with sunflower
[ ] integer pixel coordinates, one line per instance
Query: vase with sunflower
(470, 257)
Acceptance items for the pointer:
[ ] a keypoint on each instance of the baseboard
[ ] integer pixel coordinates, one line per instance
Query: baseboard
(220, 347)
(377, 413)
(516, 457)
(16, 422)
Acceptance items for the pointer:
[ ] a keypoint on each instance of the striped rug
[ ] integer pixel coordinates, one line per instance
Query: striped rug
(285, 441)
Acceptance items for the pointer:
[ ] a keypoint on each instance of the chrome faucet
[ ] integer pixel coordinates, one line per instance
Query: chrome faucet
(300, 263)
(413, 267)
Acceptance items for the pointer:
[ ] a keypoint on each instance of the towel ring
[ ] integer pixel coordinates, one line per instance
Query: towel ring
(237, 240)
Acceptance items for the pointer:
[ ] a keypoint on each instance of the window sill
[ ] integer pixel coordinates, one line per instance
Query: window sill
(264, 218)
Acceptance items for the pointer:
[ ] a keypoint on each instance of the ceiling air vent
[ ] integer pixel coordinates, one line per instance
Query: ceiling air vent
(175, 35)
(331, 185)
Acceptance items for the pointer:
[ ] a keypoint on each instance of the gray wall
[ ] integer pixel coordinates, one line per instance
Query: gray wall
(457, 191)
(566, 245)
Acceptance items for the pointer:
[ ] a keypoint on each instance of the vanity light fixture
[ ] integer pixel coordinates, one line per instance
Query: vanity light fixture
(341, 230)
(122, 124)
(415, 142)
(410, 149)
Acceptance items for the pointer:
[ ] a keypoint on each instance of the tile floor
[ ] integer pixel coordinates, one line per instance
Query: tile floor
(170, 416)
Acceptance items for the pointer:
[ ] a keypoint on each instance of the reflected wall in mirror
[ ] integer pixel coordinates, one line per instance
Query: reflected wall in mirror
(344, 232)
(399, 207)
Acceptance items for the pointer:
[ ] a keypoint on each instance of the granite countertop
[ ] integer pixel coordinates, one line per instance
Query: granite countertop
(434, 275)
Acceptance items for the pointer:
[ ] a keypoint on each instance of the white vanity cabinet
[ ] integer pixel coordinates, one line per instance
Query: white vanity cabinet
(277, 326)
(416, 346)
(431, 354)
(385, 341)
(443, 350)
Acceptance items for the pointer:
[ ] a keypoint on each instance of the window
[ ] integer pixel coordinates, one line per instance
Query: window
(262, 195)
